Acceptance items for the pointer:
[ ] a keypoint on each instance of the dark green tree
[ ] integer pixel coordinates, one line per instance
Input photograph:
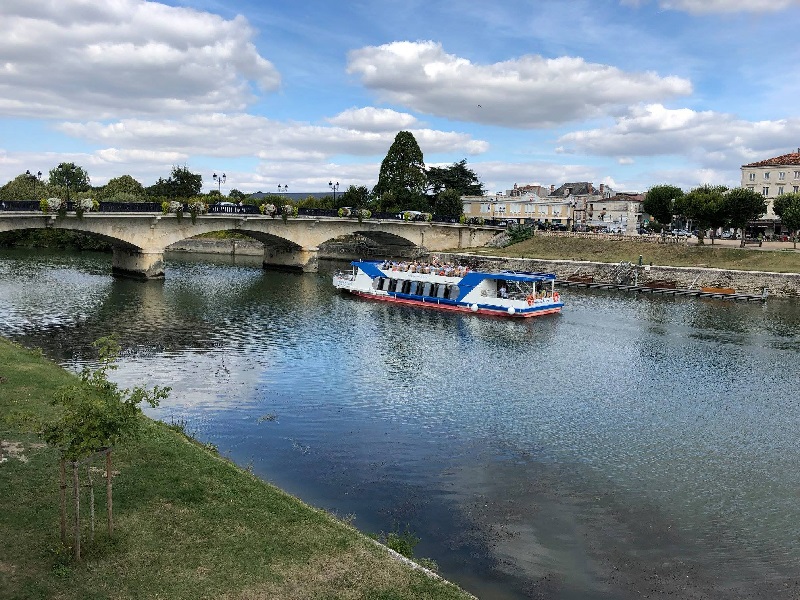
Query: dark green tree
(403, 175)
(705, 205)
(357, 197)
(181, 183)
(24, 187)
(236, 195)
(122, 189)
(456, 177)
(742, 205)
(68, 177)
(787, 207)
(448, 204)
(659, 202)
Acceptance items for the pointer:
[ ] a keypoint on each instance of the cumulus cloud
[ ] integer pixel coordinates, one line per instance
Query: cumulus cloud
(373, 119)
(721, 6)
(79, 58)
(528, 92)
(708, 137)
(243, 134)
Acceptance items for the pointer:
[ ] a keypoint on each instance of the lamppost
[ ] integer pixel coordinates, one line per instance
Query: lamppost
(283, 189)
(36, 177)
(334, 187)
(220, 179)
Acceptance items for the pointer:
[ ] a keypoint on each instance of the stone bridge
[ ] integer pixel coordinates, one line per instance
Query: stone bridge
(139, 239)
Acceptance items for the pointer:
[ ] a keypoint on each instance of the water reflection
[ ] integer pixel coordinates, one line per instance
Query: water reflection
(629, 444)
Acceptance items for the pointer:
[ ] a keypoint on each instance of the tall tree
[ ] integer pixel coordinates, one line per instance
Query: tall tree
(24, 187)
(357, 197)
(181, 183)
(705, 205)
(659, 202)
(403, 172)
(69, 177)
(743, 205)
(787, 207)
(456, 177)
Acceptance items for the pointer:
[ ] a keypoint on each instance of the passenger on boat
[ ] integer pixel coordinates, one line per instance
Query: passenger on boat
(503, 292)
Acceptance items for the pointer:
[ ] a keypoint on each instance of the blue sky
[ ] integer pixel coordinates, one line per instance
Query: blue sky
(630, 93)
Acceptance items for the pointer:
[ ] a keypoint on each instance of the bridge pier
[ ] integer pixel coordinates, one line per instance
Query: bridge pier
(291, 259)
(136, 264)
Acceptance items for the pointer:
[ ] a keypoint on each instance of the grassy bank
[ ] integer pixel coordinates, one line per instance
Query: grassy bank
(678, 255)
(188, 524)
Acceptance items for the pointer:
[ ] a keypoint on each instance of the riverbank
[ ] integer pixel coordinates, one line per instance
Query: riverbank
(188, 523)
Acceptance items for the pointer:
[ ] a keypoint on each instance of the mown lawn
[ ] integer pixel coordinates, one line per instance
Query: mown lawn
(678, 255)
(188, 524)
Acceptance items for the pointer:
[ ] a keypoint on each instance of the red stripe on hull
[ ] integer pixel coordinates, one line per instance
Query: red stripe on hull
(457, 308)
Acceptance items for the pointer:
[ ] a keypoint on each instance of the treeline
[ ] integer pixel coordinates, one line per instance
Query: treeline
(404, 183)
(711, 207)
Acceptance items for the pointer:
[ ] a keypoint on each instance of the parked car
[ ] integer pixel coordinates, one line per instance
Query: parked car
(681, 233)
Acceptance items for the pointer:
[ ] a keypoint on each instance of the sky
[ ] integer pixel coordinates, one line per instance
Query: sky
(629, 93)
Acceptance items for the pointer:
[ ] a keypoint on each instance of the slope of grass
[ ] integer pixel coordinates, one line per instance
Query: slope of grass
(188, 524)
(678, 255)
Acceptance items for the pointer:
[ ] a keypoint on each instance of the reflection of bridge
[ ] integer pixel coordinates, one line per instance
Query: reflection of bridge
(139, 239)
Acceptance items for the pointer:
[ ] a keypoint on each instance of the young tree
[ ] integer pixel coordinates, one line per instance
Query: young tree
(95, 414)
(456, 177)
(182, 183)
(69, 176)
(402, 172)
(741, 206)
(787, 207)
(705, 205)
(660, 200)
(357, 197)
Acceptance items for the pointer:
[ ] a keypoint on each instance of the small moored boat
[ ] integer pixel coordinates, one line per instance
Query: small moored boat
(505, 293)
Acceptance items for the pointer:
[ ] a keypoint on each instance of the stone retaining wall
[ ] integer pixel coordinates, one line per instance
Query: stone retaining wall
(744, 282)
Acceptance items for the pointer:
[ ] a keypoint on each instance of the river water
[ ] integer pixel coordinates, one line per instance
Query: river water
(629, 447)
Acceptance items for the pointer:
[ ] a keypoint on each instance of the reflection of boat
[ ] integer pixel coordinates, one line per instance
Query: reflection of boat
(506, 293)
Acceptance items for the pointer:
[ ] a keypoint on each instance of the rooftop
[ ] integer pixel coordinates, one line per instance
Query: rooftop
(793, 158)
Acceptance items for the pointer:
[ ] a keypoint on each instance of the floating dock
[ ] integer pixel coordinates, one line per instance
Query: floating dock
(718, 293)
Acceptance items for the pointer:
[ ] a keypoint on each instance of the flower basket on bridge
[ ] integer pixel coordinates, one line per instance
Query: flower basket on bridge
(52, 205)
(173, 207)
(87, 204)
(268, 209)
(197, 208)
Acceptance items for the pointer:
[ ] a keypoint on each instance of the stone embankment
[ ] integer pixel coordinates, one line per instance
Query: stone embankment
(687, 278)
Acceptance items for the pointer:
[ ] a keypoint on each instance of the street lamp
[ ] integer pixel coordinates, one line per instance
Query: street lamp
(283, 189)
(220, 179)
(34, 178)
(334, 187)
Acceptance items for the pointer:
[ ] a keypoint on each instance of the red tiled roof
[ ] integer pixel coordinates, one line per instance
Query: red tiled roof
(793, 158)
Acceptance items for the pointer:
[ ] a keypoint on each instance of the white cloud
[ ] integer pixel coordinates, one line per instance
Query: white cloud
(708, 138)
(233, 135)
(81, 58)
(528, 92)
(373, 119)
(721, 6)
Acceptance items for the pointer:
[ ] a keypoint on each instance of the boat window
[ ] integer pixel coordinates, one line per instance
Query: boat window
(385, 284)
(454, 292)
(376, 283)
(440, 290)
(412, 289)
(426, 289)
(398, 287)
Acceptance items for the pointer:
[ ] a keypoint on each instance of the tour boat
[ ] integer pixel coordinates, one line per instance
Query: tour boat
(446, 287)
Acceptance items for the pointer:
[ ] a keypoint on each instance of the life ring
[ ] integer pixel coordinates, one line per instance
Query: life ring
(556, 297)
(530, 299)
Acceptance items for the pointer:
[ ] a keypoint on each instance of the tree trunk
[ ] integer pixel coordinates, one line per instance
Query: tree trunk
(76, 490)
(108, 494)
(62, 500)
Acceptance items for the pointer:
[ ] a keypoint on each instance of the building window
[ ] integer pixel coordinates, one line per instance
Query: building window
(765, 190)
(515, 209)
(751, 187)
(780, 190)
(752, 176)
(797, 174)
(795, 188)
(486, 208)
(766, 175)
(781, 176)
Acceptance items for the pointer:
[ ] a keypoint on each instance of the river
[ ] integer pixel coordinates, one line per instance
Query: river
(632, 446)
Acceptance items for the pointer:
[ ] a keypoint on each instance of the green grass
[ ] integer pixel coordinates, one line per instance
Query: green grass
(678, 255)
(188, 524)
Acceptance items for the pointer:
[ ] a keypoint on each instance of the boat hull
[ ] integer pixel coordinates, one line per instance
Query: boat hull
(435, 304)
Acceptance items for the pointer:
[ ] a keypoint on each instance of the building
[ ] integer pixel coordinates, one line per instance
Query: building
(773, 177)
(576, 205)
